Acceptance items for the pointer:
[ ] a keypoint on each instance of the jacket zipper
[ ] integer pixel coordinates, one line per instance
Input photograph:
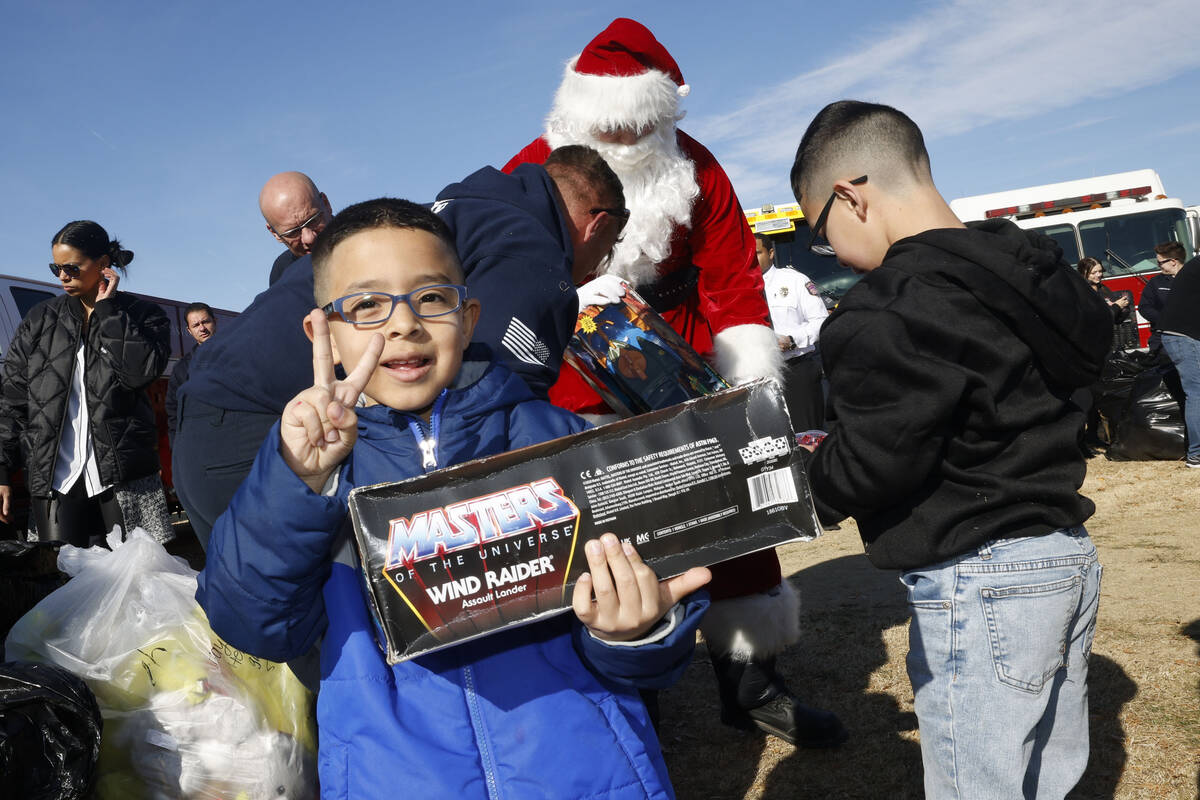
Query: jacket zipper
(485, 751)
(428, 444)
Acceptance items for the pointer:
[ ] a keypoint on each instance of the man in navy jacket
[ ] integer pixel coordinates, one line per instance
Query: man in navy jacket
(525, 241)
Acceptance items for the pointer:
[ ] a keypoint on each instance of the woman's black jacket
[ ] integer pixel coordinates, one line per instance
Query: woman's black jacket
(128, 344)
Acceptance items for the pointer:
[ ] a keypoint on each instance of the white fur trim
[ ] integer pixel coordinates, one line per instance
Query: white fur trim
(753, 627)
(607, 102)
(684, 90)
(748, 352)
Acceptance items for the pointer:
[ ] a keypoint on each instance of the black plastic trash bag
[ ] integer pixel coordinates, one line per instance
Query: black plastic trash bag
(49, 733)
(28, 572)
(1140, 415)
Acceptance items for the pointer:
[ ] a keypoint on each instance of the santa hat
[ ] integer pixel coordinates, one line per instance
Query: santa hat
(624, 78)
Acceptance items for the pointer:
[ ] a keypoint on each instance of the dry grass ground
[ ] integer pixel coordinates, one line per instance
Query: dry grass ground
(1144, 682)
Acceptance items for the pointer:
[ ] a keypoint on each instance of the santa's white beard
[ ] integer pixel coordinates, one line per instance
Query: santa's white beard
(660, 188)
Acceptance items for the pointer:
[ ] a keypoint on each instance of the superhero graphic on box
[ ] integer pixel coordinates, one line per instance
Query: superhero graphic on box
(635, 360)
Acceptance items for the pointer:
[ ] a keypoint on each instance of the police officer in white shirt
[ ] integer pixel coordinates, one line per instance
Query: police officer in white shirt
(797, 312)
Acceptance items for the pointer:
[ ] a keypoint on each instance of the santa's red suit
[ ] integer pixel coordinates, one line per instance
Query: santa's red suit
(706, 276)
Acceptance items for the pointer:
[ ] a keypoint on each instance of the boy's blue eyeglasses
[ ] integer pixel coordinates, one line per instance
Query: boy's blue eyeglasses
(816, 242)
(372, 308)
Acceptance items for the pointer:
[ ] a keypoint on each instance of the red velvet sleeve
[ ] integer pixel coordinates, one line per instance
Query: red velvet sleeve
(722, 245)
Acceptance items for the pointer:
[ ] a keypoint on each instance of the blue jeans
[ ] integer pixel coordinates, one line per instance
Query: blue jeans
(1184, 352)
(998, 649)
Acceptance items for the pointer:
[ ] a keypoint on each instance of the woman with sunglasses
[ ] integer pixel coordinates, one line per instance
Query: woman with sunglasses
(74, 410)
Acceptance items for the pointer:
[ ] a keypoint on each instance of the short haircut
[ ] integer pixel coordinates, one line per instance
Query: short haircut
(194, 307)
(766, 239)
(1171, 250)
(851, 138)
(92, 240)
(1086, 265)
(582, 171)
(384, 212)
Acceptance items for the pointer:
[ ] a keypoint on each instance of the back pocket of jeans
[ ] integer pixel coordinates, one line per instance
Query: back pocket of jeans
(1028, 628)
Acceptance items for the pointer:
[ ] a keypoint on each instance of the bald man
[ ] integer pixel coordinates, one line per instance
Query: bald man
(295, 211)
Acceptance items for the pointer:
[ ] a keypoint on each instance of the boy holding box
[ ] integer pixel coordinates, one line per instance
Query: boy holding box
(543, 710)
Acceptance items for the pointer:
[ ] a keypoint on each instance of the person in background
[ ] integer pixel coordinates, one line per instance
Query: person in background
(1118, 302)
(295, 211)
(1179, 324)
(201, 324)
(74, 410)
(1157, 291)
(797, 312)
(1121, 306)
(689, 252)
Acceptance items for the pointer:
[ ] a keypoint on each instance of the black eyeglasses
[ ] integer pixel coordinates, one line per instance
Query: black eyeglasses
(296, 231)
(822, 247)
(373, 308)
(70, 269)
(620, 213)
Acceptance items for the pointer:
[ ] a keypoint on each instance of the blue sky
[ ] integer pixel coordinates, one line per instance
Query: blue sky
(162, 120)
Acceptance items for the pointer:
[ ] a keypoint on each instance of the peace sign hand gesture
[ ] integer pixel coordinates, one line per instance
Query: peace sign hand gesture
(318, 428)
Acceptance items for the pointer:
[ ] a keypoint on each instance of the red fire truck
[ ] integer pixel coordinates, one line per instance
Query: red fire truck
(1117, 219)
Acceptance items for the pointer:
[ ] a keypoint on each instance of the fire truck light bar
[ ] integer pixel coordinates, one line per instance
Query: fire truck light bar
(1066, 203)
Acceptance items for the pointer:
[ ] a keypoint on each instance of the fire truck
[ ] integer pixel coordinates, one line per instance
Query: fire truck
(1117, 219)
(786, 226)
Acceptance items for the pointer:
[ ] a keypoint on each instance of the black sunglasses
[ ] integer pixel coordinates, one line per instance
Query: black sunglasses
(824, 248)
(70, 269)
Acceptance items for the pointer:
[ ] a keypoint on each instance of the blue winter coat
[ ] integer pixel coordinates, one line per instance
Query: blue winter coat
(540, 711)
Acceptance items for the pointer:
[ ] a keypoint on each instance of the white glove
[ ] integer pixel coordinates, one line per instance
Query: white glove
(602, 291)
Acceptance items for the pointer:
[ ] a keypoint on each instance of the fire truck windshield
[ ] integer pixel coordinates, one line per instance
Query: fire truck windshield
(1131, 237)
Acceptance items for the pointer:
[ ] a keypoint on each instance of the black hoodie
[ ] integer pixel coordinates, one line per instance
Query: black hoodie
(951, 368)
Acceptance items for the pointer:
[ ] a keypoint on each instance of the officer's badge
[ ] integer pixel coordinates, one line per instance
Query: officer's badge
(783, 291)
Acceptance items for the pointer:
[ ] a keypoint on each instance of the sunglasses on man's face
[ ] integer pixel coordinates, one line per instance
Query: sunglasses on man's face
(72, 270)
(817, 242)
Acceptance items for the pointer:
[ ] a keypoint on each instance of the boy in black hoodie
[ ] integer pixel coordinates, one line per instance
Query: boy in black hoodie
(954, 446)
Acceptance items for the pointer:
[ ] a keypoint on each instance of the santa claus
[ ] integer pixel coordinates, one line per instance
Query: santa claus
(687, 249)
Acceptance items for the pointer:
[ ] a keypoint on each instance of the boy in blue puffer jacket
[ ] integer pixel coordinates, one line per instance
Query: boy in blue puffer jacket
(548, 710)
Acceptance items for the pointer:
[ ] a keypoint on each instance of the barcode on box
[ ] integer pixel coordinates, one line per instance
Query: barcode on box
(772, 488)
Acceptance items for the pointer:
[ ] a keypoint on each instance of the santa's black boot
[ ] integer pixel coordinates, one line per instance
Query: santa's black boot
(753, 697)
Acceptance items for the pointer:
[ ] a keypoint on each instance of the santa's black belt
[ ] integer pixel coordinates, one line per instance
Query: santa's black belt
(671, 291)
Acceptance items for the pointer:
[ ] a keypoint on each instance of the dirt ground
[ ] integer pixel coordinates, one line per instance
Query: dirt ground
(1144, 681)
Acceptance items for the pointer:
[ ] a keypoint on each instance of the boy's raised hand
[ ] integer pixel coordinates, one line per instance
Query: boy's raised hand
(318, 428)
(621, 598)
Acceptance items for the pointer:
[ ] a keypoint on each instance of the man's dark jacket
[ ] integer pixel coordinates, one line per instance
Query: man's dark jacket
(512, 238)
(951, 368)
(1155, 295)
(128, 344)
(282, 262)
(261, 358)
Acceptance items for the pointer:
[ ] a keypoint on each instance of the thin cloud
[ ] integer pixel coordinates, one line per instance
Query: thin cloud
(1186, 129)
(957, 66)
(103, 141)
